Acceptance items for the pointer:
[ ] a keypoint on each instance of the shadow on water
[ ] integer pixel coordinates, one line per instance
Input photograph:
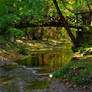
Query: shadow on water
(32, 74)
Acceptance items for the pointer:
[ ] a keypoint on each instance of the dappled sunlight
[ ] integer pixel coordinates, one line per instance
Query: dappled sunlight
(19, 41)
(45, 46)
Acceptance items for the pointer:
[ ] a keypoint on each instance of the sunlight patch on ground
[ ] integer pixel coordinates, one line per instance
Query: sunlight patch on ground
(37, 45)
(19, 41)
(89, 49)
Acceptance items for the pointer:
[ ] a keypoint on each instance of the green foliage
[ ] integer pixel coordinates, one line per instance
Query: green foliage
(13, 12)
(23, 12)
(77, 72)
(2, 38)
(22, 50)
(81, 49)
(7, 14)
(15, 31)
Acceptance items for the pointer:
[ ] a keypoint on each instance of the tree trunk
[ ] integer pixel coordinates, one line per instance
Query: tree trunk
(41, 34)
(62, 19)
(27, 35)
(12, 38)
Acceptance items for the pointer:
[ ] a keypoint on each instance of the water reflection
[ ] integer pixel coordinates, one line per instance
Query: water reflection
(50, 61)
(33, 76)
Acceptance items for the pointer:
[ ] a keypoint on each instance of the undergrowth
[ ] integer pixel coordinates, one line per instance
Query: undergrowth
(78, 72)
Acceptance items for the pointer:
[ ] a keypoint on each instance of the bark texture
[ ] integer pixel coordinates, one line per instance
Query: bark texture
(65, 24)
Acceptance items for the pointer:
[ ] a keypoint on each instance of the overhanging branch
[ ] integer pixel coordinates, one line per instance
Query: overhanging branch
(48, 24)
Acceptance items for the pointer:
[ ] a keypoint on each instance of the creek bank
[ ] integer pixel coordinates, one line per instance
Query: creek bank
(22, 48)
(78, 73)
(59, 86)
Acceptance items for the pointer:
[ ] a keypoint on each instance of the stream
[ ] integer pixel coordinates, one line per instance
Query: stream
(34, 73)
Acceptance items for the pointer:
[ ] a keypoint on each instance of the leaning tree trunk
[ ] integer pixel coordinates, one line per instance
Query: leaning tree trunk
(62, 19)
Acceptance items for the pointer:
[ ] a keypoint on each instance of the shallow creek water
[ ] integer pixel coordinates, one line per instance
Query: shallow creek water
(33, 73)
